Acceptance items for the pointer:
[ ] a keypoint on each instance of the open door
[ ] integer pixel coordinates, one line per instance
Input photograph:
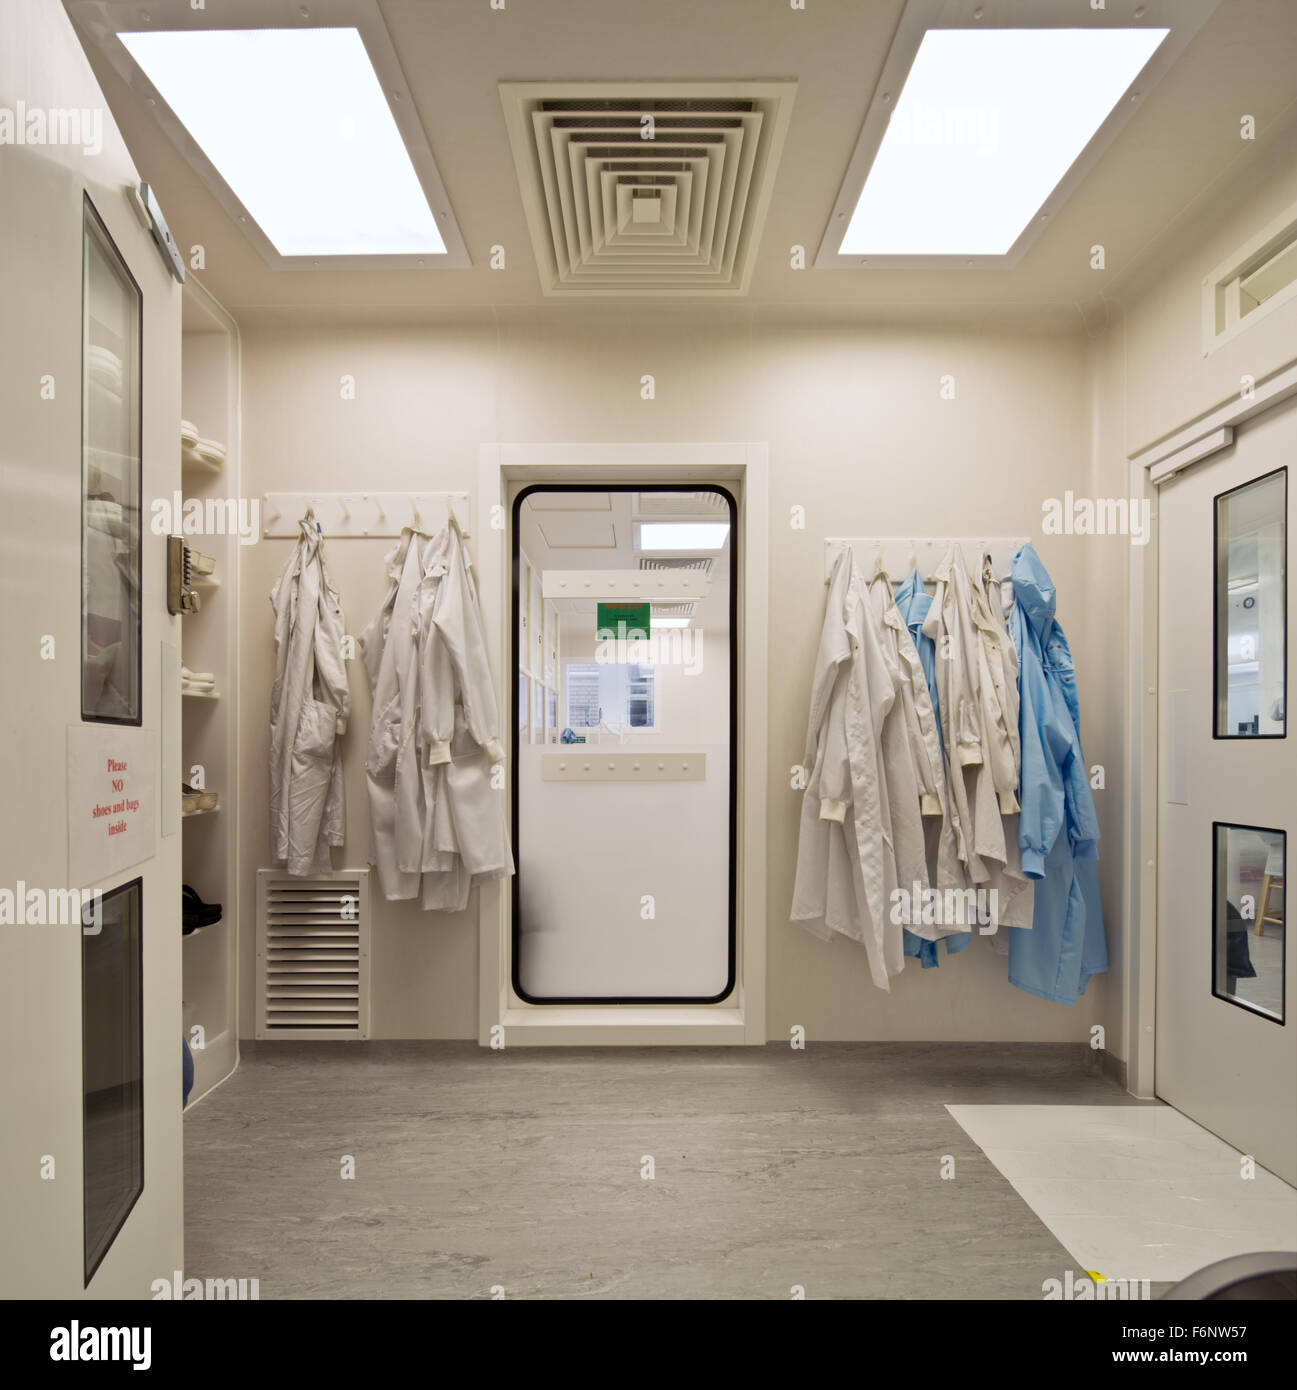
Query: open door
(90, 956)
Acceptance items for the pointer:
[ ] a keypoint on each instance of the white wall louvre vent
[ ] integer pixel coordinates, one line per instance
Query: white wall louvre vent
(701, 564)
(313, 937)
(1252, 283)
(643, 188)
(652, 504)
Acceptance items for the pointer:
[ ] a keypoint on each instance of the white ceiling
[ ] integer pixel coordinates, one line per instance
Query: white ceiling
(1175, 149)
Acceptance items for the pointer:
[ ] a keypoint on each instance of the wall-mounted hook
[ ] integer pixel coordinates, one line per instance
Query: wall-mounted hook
(275, 512)
(346, 510)
(414, 508)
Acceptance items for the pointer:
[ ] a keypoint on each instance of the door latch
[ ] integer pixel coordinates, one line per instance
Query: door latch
(181, 598)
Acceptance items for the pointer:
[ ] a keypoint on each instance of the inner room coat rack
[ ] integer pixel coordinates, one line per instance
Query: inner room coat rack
(898, 555)
(364, 515)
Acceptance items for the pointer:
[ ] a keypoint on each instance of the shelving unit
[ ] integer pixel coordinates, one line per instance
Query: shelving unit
(540, 693)
(210, 400)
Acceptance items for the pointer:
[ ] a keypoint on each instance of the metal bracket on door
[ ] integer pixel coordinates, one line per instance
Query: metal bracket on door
(145, 205)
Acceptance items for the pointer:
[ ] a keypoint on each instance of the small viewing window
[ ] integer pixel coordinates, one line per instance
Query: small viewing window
(618, 695)
(1251, 609)
(112, 1065)
(112, 314)
(1249, 918)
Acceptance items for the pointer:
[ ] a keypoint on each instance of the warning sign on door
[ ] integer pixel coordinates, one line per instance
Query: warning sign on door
(110, 800)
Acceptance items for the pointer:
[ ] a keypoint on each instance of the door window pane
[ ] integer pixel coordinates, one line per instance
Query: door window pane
(625, 854)
(617, 694)
(1250, 914)
(1251, 609)
(110, 473)
(112, 1066)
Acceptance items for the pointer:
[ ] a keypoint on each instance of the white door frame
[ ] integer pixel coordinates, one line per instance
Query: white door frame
(1149, 467)
(503, 1018)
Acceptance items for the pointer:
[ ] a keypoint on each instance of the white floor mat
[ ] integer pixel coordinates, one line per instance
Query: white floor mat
(1133, 1191)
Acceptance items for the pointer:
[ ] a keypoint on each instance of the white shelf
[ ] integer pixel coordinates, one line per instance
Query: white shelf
(193, 462)
(199, 695)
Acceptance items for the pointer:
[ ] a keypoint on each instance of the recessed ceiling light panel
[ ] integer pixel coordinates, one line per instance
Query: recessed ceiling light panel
(298, 120)
(295, 122)
(977, 133)
(689, 537)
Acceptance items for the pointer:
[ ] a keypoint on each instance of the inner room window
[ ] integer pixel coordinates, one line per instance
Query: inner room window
(623, 693)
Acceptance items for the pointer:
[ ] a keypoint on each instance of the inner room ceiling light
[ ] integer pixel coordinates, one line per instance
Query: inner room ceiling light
(987, 124)
(683, 535)
(670, 622)
(296, 123)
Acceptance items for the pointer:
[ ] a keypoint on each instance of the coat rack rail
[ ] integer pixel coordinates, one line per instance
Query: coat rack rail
(898, 555)
(364, 515)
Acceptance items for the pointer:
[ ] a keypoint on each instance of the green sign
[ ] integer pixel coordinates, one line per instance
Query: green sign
(623, 621)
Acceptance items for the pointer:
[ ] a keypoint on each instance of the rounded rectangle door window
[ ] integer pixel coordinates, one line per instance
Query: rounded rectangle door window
(624, 797)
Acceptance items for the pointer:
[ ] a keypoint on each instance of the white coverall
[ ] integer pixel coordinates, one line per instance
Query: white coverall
(874, 771)
(437, 822)
(977, 691)
(309, 707)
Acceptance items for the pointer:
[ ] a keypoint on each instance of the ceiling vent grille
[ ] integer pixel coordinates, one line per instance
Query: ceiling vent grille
(702, 564)
(313, 955)
(679, 504)
(639, 188)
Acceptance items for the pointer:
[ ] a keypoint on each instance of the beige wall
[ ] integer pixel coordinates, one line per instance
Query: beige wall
(1165, 381)
(859, 437)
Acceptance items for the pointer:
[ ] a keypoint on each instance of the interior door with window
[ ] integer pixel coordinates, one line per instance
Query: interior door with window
(90, 1029)
(624, 773)
(1226, 1049)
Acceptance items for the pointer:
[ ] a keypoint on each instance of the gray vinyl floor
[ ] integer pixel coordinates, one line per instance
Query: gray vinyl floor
(479, 1171)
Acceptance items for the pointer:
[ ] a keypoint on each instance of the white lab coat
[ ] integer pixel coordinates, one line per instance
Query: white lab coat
(825, 899)
(921, 815)
(959, 663)
(874, 770)
(309, 707)
(976, 675)
(389, 648)
(437, 822)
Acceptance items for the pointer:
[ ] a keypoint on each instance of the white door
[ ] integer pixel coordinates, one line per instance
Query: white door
(1226, 1030)
(90, 1021)
(624, 835)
